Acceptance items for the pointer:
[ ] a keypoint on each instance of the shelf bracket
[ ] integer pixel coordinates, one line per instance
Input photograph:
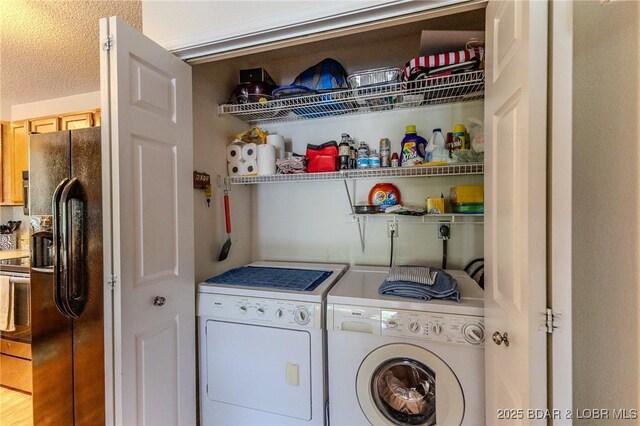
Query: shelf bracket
(361, 226)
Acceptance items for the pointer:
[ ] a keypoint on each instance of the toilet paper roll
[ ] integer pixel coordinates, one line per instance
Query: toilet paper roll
(278, 142)
(234, 151)
(249, 152)
(235, 169)
(266, 159)
(248, 168)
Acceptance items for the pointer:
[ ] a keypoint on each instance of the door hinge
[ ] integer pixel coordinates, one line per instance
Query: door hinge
(107, 45)
(112, 281)
(550, 317)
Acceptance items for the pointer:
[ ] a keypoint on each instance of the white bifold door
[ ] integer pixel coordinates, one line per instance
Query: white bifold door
(515, 211)
(147, 153)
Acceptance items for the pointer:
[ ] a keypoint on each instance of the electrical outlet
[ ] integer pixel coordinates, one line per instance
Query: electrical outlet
(392, 226)
(444, 228)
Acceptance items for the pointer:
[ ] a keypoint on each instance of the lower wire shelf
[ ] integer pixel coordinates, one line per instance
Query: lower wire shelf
(477, 219)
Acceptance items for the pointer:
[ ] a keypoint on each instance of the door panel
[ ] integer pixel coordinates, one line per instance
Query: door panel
(44, 125)
(156, 229)
(157, 372)
(147, 123)
(515, 206)
(262, 368)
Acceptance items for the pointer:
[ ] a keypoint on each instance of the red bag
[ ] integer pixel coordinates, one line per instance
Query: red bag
(322, 158)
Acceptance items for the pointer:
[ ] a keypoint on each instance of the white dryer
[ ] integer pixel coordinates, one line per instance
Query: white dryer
(399, 361)
(262, 353)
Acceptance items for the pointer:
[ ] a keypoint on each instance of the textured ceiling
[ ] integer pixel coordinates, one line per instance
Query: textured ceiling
(50, 49)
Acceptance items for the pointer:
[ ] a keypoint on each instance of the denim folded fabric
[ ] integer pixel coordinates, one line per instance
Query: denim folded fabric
(445, 287)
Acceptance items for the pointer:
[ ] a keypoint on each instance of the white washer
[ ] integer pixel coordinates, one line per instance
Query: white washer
(396, 361)
(263, 351)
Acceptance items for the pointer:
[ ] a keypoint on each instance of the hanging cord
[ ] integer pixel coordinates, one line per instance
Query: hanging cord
(393, 233)
(444, 231)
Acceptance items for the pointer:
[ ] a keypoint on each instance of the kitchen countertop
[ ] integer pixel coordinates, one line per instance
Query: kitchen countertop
(13, 254)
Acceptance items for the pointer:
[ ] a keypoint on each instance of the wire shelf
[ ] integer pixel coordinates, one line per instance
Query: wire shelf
(417, 171)
(423, 219)
(436, 90)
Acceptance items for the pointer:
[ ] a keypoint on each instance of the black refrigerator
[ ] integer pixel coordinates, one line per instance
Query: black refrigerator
(65, 207)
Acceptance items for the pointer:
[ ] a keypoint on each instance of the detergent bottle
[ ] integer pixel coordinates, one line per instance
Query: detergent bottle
(437, 143)
(413, 148)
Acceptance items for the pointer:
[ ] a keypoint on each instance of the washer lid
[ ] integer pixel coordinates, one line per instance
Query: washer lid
(359, 287)
(318, 294)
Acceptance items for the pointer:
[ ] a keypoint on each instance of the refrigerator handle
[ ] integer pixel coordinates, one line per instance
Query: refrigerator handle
(73, 206)
(58, 267)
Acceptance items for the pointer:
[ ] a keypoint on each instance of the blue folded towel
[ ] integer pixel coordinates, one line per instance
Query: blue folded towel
(444, 287)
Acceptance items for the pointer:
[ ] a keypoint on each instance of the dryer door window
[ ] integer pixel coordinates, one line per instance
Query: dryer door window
(403, 384)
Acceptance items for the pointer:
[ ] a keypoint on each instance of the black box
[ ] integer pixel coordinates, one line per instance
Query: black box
(255, 74)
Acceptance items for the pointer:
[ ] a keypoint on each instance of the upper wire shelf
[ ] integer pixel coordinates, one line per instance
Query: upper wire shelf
(417, 171)
(436, 90)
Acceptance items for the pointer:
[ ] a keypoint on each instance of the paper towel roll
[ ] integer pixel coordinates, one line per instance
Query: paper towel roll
(234, 151)
(248, 167)
(266, 159)
(235, 169)
(278, 142)
(249, 152)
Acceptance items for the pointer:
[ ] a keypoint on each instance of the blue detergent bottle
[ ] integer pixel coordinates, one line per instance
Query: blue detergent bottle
(413, 150)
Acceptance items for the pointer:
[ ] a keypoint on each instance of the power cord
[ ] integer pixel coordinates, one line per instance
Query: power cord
(444, 231)
(393, 233)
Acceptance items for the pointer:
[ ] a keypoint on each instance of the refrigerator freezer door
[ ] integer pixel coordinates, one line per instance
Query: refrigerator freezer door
(68, 343)
(49, 164)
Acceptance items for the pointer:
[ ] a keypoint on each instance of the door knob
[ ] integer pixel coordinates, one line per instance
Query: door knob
(500, 338)
(159, 301)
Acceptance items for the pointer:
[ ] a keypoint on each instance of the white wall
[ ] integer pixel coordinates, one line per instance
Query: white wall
(55, 106)
(310, 221)
(606, 198)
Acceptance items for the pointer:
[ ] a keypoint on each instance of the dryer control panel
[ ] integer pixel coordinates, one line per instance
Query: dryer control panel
(465, 330)
(262, 311)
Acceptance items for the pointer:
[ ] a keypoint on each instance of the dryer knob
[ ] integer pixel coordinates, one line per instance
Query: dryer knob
(392, 323)
(302, 316)
(279, 313)
(414, 326)
(243, 309)
(260, 311)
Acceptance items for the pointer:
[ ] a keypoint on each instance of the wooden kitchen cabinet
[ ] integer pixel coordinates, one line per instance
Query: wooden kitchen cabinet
(15, 147)
(15, 159)
(77, 121)
(44, 125)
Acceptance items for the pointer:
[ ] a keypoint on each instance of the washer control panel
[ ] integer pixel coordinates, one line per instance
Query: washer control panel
(447, 328)
(257, 310)
(465, 330)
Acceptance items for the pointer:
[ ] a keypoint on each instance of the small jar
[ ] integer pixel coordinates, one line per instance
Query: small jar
(394, 160)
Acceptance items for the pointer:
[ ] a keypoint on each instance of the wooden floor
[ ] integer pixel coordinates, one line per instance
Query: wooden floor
(15, 408)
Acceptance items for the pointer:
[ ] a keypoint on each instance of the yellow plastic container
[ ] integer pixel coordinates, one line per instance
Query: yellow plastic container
(467, 194)
(435, 205)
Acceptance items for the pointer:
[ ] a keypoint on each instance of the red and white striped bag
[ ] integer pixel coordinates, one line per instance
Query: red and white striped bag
(442, 59)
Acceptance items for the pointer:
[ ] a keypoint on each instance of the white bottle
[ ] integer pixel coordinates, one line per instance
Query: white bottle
(362, 161)
(437, 144)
